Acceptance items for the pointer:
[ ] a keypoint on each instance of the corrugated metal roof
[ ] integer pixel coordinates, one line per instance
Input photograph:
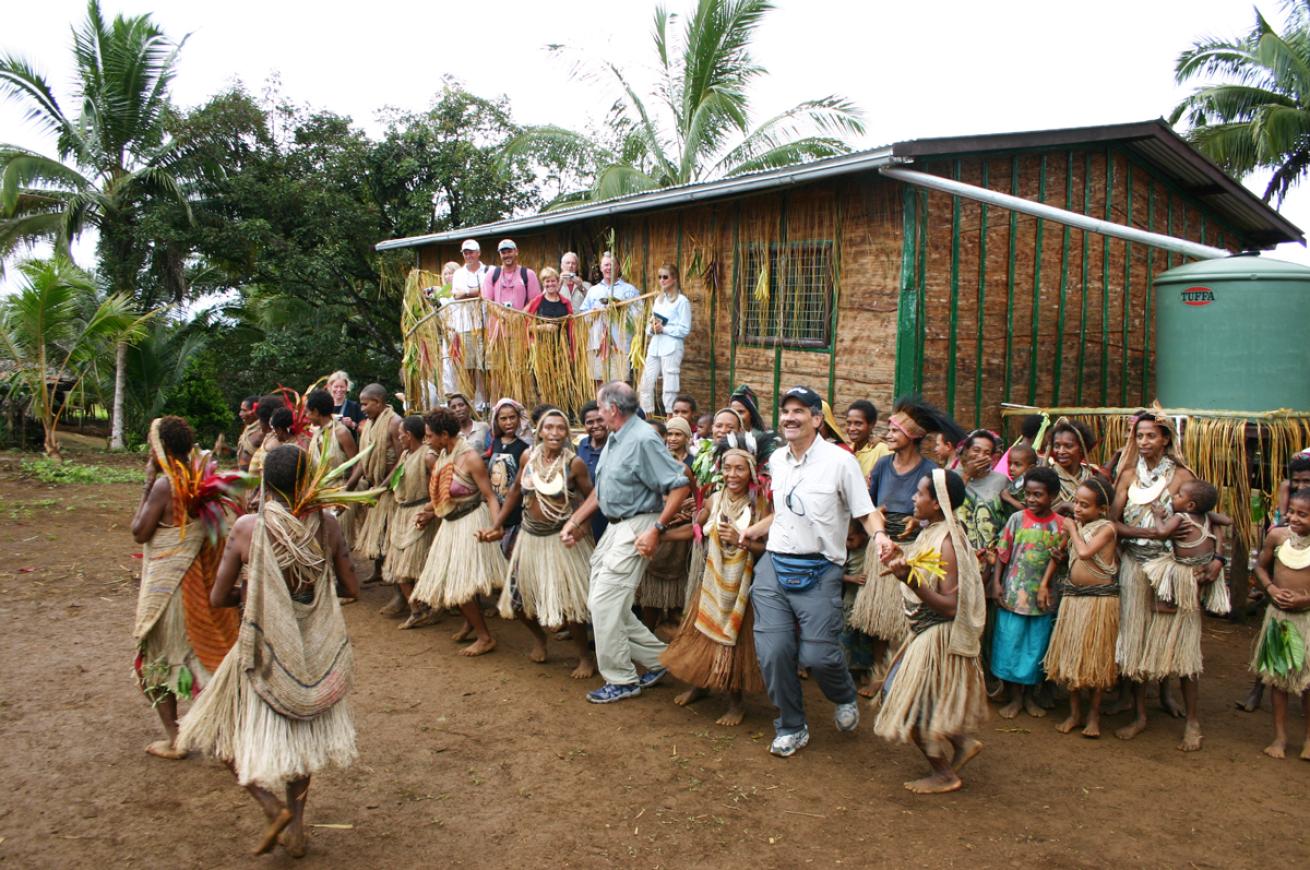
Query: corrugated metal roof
(1155, 142)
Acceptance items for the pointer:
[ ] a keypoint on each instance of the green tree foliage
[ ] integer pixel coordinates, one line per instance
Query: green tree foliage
(1255, 113)
(198, 397)
(698, 125)
(114, 157)
(54, 331)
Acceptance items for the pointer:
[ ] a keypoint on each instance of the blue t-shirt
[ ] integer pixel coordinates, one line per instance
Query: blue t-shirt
(895, 492)
(591, 455)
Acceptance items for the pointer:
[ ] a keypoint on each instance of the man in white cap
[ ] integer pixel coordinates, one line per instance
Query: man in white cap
(465, 319)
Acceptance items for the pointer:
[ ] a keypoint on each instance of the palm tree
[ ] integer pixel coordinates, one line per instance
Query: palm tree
(1258, 116)
(699, 126)
(114, 155)
(54, 331)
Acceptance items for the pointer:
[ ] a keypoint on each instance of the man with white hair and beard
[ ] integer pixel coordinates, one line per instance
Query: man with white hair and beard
(639, 488)
(796, 592)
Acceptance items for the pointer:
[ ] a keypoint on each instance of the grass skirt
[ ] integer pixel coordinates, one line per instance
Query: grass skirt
(1081, 652)
(879, 609)
(1135, 604)
(230, 721)
(1173, 640)
(940, 694)
(1294, 683)
(371, 538)
(459, 567)
(407, 548)
(707, 664)
(664, 585)
(548, 581)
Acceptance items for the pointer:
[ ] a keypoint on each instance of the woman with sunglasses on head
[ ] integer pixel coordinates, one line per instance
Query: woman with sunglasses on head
(670, 323)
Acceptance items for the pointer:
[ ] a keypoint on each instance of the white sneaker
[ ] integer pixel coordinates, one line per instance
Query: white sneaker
(786, 745)
(847, 717)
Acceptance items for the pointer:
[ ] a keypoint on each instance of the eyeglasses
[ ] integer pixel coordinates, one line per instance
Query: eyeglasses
(665, 277)
(798, 508)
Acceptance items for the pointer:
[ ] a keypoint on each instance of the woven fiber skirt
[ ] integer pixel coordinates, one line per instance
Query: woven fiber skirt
(1081, 652)
(166, 652)
(1293, 682)
(707, 664)
(879, 609)
(548, 581)
(1135, 605)
(664, 585)
(929, 688)
(459, 567)
(407, 547)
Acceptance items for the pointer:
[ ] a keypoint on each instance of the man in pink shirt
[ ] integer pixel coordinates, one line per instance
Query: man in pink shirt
(510, 284)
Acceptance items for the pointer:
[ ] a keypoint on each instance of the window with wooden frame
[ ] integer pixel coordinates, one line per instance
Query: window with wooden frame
(786, 295)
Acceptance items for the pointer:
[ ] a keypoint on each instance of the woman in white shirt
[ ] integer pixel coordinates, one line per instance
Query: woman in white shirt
(670, 323)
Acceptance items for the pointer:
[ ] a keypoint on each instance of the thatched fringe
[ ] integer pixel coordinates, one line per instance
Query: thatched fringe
(230, 721)
(407, 547)
(1135, 603)
(459, 567)
(940, 694)
(1081, 652)
(372, 535)
(552, 580)
(1173, 645)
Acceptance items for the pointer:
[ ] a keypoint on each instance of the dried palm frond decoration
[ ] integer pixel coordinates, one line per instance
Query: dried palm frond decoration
(1243, 454)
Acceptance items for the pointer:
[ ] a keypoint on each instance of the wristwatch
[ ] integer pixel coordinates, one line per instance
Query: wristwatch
(660, 527)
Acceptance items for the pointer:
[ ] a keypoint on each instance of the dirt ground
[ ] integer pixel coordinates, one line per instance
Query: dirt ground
(497, 761)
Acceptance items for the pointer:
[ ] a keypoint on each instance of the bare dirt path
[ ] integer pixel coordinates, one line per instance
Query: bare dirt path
(500, 762)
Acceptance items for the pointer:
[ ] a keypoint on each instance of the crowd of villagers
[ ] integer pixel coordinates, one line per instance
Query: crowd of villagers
(922, 573)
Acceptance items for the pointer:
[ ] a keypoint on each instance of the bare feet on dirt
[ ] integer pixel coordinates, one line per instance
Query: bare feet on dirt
(1032, 708)
(538, 651)
(938, 783)
(1132, 729)
(1277, 749)
(1092, 731)
(585, 670)
(166, 750)
(1010, 710)
(479, 647)
(1191, 741)
(463, 634)
(965, 751)
(1068, 725)
(689, 697)
(275, 827)
(731, 717)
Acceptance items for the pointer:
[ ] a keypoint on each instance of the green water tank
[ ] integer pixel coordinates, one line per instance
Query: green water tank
(1229, 335)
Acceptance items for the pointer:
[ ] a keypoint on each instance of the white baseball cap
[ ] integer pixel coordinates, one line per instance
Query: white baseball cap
(507, 245)
(470, 245)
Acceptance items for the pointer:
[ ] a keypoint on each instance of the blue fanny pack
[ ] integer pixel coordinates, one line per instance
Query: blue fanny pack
(798, 573)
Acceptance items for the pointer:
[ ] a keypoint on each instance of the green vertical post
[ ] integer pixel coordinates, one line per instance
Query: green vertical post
(1009, 282)
(907, 315)
(1037, 286)
(836, 295)
(982, 302)
(922, 294)
(1064, 281)
(736, 298)
(1105, 280)
(1150, 289)
(953, 326)
(1127, 291)
(1082, 313)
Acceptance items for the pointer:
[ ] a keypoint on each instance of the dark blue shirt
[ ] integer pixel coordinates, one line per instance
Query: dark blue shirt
(591, 455)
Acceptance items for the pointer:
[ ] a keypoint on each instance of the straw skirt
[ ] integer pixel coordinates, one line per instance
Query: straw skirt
(548, 581)
(1172, 647)
(664, 585)
(165, 652)
(1081, 651)
(371, 537)
(707, 664)
(459, 567)
(1135, 604)
(407, 546)
(928, 688)
(879, 609)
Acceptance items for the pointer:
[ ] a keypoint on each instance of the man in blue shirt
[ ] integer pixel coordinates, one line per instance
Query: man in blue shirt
(589, 449)
(639, 488)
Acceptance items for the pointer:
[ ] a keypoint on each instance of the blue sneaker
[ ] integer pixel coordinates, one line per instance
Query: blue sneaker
(847, 717)
(787, 745)
(611, 692)
(651, 677)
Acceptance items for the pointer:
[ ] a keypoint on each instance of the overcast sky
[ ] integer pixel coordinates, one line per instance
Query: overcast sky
(917, 69)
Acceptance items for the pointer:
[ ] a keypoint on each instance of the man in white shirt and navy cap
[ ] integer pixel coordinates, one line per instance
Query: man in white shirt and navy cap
(796, 591)
(466, 319)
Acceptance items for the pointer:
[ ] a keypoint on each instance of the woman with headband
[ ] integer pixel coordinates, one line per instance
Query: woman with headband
(1071, 446)
(878, 610)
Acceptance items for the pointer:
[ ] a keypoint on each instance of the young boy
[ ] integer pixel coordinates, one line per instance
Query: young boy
(1181, 579)
(855, 644)
(1283, 569)
(1023, 627)
(1022, 458)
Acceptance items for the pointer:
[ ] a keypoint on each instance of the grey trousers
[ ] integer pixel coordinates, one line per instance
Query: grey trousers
(616, 571)
(817, 613)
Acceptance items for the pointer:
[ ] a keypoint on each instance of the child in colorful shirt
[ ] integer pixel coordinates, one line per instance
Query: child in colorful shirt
(1023, 628)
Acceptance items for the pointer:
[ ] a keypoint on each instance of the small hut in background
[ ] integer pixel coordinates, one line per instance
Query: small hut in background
(850, 275)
